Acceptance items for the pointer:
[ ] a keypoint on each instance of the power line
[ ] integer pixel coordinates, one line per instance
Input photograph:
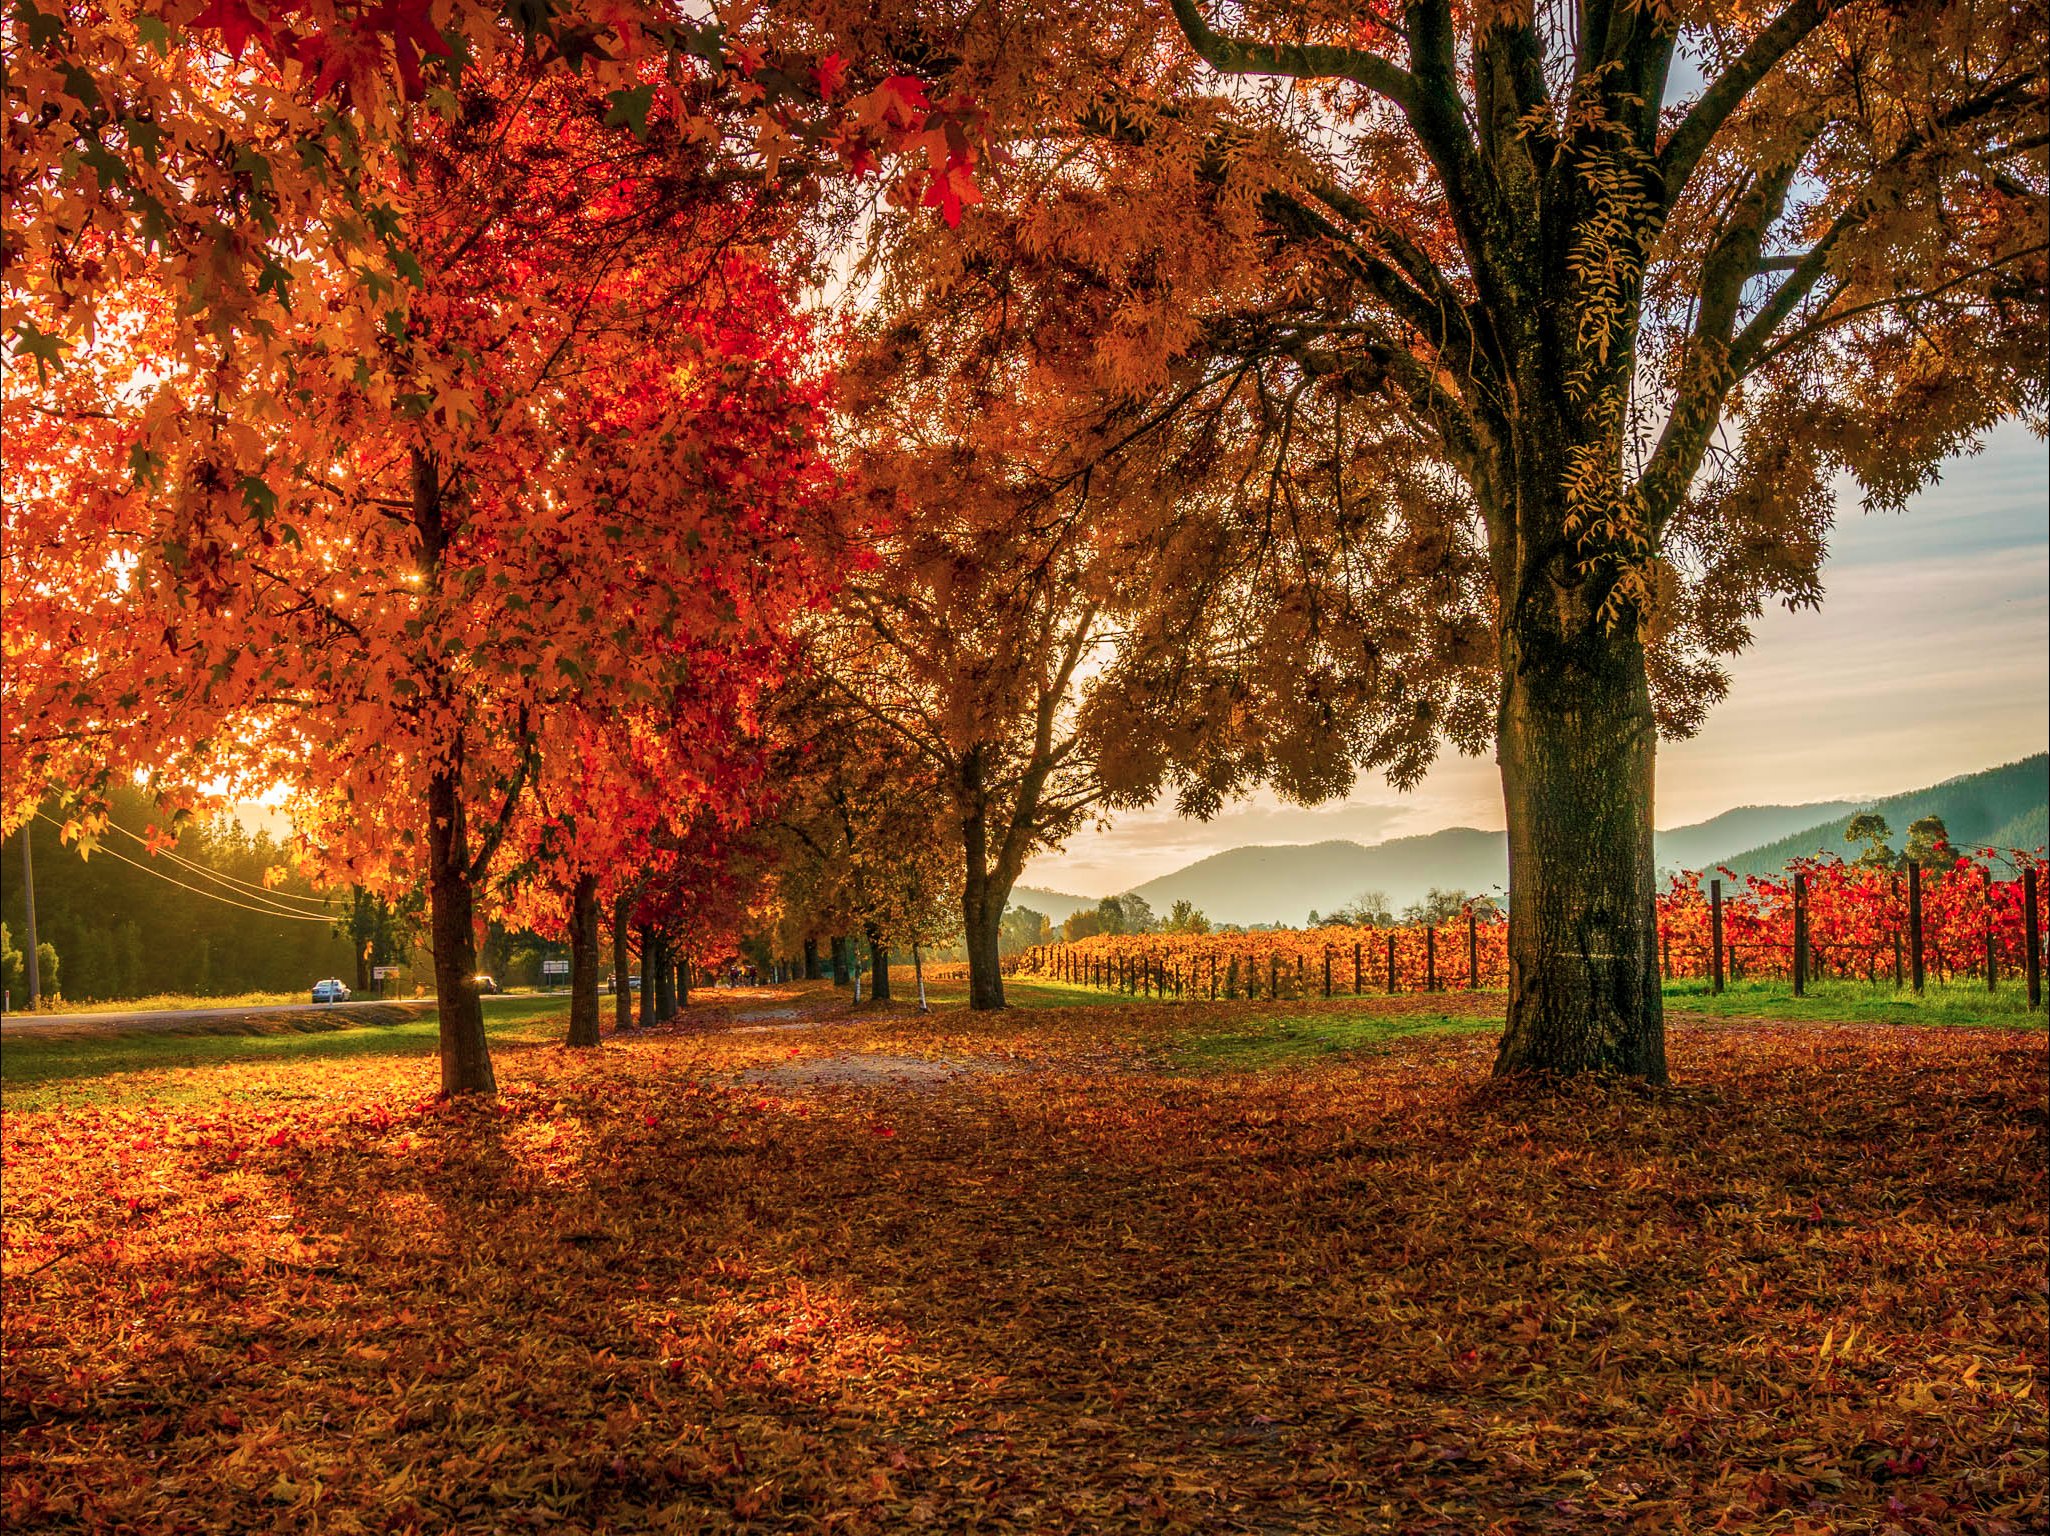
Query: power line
(278, 912)
(215, 875)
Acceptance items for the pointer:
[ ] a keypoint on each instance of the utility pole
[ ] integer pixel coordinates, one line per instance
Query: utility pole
(28, 899)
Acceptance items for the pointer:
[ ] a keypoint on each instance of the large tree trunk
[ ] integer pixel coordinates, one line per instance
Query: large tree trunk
(682, 982)
(879, 966)
(983, 896)
(811, 959)
(465, 1058)
(583, 961)
(842, 973)
(1576, 745)
(622, 961)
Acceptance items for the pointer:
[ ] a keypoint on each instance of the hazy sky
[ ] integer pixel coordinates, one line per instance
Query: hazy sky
(1929, 657)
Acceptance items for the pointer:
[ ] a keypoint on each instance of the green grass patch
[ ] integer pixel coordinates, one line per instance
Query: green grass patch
(1254, 1041)
(1858, 1001)
(1020, 992)
(43, 1071)
(167, 1002)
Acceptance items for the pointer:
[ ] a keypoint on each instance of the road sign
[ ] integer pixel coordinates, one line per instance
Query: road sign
(380, 972)
(554, 967)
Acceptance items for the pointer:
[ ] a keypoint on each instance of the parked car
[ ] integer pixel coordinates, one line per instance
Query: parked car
(330, 991)
(486, 985)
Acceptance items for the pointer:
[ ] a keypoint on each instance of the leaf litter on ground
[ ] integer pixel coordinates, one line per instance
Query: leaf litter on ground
(704, 1280)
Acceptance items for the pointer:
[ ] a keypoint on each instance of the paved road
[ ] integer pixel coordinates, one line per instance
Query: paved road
(368, 1011)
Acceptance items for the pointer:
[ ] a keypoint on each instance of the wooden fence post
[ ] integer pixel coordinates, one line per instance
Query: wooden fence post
(1213, 975)
(1665, 955)
(2032, 939)
(1899, 974)
(1391, 962)
(1430, 958)
(1992, 962)
(1273, 975)
(1915, 926)
(1473, 951)
(1715, 933)
(1327, 966)
(1355, 968)
(1800, 934)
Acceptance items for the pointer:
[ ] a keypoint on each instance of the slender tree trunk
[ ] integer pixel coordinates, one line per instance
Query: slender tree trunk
(682, 982)
(665, 978)
(1576, 745)
(811, 959)
(879, 966)
(622, 960)
(982, 913)
(465, 1058)
(583, 961)
(647, 978)
(31, 961)
(840, 965)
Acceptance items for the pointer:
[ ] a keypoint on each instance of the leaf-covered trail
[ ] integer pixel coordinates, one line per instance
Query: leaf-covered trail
(1084, 1292)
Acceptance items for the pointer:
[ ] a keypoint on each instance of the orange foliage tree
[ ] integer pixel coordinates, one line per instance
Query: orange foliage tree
(573, 471)
(1522, 347)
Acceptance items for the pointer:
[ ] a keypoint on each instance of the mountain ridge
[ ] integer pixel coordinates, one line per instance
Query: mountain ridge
(2005, 806)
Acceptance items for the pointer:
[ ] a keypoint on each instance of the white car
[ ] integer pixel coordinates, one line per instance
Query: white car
(330, 991)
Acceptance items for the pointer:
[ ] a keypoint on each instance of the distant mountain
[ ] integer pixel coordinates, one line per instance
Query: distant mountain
(1285, 884)
(1052, 905)
(2006, 807)
(1748, 826)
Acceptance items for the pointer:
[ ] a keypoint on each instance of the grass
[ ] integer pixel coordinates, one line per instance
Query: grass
(1857, 1002)
(56, 1071)
(1019, 992)
(165, 1002)
(50, 1071)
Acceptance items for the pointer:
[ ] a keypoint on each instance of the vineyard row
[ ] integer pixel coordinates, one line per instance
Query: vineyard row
(1824, 918)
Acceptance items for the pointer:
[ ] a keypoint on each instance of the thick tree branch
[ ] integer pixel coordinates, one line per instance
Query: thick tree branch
(1697, 130)
(1298, 61)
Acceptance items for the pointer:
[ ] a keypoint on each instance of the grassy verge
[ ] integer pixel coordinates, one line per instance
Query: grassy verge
(1020, 992)
(40, 1072)
(167, 1002)
(1857, 1001)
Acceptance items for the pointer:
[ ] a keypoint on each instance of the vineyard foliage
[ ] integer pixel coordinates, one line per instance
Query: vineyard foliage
(1855, 915)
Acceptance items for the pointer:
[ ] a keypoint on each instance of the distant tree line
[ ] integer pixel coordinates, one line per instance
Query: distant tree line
(122, 923)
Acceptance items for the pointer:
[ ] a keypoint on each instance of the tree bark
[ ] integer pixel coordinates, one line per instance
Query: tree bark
(682, 982)
(811, 959)
(1576, 745)
(583, 961)
(647, 977)
(465, 1057)
(879, 966)
(841, 970)
(665, 980)
(983, 896)
(622, 961)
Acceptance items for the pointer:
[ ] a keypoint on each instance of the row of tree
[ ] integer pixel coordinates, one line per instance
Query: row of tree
(429, 415)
